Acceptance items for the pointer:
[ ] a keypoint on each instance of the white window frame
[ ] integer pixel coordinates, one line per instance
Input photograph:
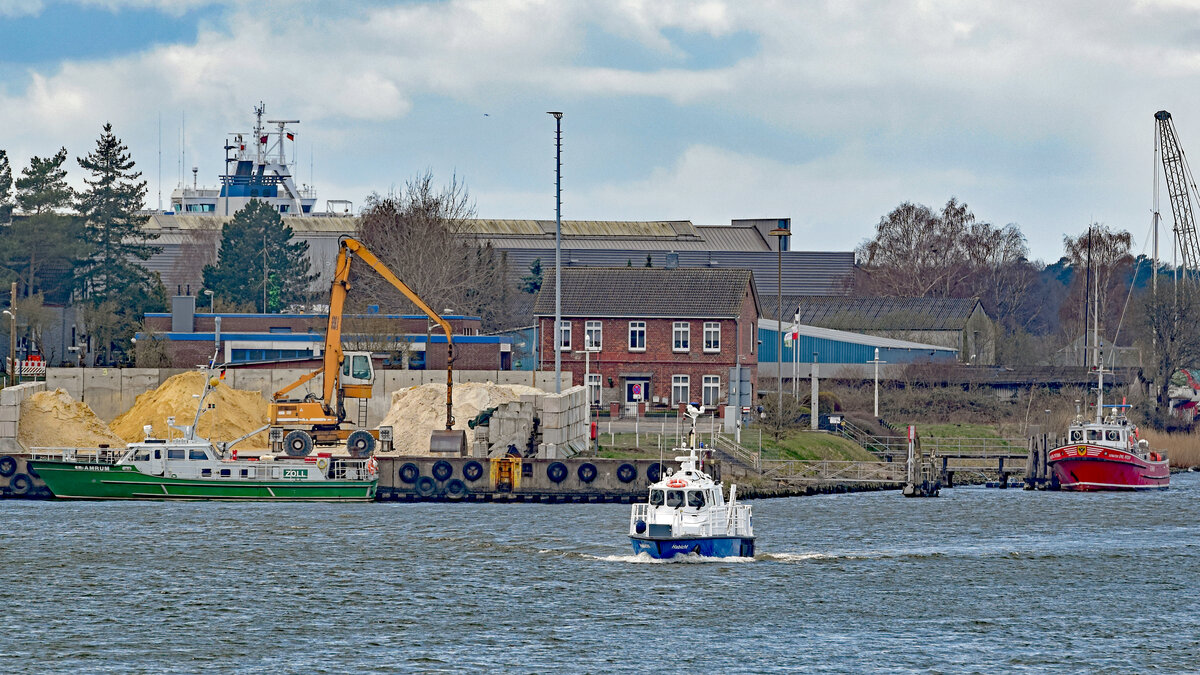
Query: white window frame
(637, 327)
(593, 385)
(713, 327)
(710, 383)
(593, 331)
(683, 328)
(564, 336)
(678, 381)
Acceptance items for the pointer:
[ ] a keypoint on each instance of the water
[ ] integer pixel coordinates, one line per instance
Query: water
(975, 581)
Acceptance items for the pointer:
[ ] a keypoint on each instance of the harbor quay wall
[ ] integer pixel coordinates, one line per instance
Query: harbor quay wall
(112, 391)
(466, 479)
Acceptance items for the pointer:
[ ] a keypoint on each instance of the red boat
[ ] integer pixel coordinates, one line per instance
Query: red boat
(1106, 454)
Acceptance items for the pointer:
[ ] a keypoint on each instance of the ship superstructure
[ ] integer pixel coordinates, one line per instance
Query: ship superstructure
(256, 167)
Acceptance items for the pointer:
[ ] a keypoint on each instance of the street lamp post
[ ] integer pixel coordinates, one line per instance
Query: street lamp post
(211, 302)
(12, 337)
(557, 251)
(876, 361)
(779, 233)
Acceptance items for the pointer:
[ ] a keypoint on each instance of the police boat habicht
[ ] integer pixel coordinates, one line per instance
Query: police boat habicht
(686, 513)
(190, 467)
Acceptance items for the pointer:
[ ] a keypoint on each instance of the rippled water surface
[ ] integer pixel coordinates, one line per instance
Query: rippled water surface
(975, 581)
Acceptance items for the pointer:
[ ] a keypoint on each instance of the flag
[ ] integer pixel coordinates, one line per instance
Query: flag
(242, 146)
(222, 373)
(291, 136)
(262, 139)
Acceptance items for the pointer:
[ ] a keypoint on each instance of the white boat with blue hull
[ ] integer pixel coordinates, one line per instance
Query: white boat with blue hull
(686, 514)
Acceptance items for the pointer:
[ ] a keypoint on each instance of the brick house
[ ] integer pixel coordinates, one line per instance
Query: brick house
(666, 336)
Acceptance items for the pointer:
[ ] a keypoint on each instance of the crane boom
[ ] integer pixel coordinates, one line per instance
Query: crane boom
(1180, 187)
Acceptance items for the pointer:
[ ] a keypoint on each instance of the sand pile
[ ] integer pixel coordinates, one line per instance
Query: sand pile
(52, 419)
(237, 412)
(417, 411)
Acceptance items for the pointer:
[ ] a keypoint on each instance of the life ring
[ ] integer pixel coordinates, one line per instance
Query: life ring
(8, 466)
(372, 466)
(322, 462)
(472, 471)
(442, 469)
(409, 473)
(676, 483)
(1154, 457)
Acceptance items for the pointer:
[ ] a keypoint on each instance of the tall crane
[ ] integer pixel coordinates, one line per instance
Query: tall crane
(1181, 188)
(310, 421)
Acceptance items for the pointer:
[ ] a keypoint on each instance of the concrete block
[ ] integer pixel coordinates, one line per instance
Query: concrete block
(522, 377)
(260, 380)
(8, 429)
(102, 392)
(15, 395)
(10, 413)
(69, 380)
(553, 404)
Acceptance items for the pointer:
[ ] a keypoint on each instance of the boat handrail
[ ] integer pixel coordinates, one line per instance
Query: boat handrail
(735, 519)
(76, 454)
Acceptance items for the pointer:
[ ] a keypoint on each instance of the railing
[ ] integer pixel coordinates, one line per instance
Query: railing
(731, 520)
(822, 470)
(743, 455)
(880, 446)
(81, 455)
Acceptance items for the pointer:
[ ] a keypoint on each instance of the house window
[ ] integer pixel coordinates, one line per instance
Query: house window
(679, 390)
(564, 336)
(637, 336)
(712, 336)
(712, 390)
(593, 385)
(593, 335)
(681, 336)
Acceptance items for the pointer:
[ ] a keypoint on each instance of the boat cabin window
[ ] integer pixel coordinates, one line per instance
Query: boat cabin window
(197, 453)
(141, 456)
(224, 473)
(245, 473)
(656, 498)
(1095, 435)
(157, 453)
(696, 498)
(1113, 435)
(175, 453)
(205, 473)
(675, 498)
(1076, 435)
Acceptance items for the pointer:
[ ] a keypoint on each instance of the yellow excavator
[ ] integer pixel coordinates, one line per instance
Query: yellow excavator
(311, 421)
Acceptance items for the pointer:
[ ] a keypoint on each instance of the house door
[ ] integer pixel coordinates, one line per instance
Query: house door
(637, 390)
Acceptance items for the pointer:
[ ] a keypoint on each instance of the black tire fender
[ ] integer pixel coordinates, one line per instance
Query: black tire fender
(557, 472)
(20, 484)
(586, 472)
(456, 489)
(472, 471)
(426, 486)
(442, 469)
(8, 466)
(409, 473)
(627, 473)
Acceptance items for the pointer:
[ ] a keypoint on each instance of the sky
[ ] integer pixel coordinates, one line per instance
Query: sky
(828, 113)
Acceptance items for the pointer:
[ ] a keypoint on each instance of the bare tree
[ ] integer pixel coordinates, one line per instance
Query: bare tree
(1102, 261)
(1171, 331)
(420, 233)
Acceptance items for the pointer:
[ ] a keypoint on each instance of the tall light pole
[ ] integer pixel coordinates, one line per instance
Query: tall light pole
(557, 251)
(779, 233)
(876, 361)
(12, 337)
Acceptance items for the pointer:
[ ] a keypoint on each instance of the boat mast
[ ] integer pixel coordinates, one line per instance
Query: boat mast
(1099, 356)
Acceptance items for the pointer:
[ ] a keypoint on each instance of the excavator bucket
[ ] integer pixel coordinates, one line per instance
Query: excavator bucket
(449, 442)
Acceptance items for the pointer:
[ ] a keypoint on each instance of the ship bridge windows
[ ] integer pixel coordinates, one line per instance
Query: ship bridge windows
(656, 498)
(197, 453)
(1113, 435)
(1095, 435)
(176, 453)
(695, 498)
(675, 498)
(1076, 435)
(141, 456)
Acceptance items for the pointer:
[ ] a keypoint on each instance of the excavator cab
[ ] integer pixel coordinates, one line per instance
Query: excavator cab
(357, 375)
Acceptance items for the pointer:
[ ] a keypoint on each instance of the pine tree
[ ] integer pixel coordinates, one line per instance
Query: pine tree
(532, 282)
(109, 208)
(259, 262)
(43, 236)
(6, 183)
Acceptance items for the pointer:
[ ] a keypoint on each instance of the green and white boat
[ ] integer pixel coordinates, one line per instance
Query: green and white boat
(192, 468)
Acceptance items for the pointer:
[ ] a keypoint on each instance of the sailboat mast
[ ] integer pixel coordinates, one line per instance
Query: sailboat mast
(1099, 355)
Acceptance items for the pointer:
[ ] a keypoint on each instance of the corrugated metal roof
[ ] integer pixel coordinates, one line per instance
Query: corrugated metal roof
(640, 291)
(880, 313)
(835, 346)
